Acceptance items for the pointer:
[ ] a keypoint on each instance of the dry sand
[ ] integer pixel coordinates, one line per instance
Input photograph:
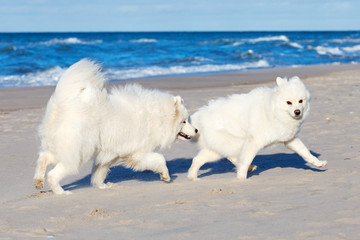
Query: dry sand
(283, 199)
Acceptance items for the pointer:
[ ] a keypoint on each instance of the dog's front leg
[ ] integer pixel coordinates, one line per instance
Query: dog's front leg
(248, 153)
(298, 146)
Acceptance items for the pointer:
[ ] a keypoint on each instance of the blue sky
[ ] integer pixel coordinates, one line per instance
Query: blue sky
(178, 15)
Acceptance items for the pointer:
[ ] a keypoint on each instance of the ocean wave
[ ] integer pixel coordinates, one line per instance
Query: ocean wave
(114, 74)
(192, 60)
(197, 59)
(355, 48)
(346, 40)
(269, 39)
(52, 75)
(217, 41)
(47, 77)
(295, 45)
(328, 50)
(237, 43)
(249, 54)
(71, 40)
(144, 40)
(8, 49)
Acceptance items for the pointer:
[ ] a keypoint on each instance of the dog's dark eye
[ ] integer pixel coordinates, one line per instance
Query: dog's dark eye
(289, 103)
(184, 121)
(300, 101)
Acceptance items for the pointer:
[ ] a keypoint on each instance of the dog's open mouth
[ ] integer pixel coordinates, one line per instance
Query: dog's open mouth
(297, 117)
(181, 134)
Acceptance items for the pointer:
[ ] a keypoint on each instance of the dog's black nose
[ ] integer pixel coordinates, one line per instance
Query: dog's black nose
(196, 131)
(297, 112)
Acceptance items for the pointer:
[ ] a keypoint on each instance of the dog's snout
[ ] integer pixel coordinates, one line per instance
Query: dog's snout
(196, 131)
(297, 112)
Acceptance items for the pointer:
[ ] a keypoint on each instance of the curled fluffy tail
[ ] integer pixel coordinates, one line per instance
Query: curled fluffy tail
(83, 80)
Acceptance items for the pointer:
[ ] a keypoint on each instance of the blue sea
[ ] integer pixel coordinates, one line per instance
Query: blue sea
(39, 59)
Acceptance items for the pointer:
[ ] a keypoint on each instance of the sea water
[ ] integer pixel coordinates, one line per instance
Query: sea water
(39, 59)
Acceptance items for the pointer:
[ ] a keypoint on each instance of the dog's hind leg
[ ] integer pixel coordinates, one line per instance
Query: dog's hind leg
(55, 176)
(45, 158)
(204, 156)
(99, 175)
(150, 161)
(234, 161)
(102, 164)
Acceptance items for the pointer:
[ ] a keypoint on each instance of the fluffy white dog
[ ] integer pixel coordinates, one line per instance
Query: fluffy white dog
(82, 121)
(239, 126)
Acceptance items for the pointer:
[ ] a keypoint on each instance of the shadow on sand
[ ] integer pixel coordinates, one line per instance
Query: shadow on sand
(181, 165)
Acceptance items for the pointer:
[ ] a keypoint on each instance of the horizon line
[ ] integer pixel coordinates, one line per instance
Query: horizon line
(174, 31)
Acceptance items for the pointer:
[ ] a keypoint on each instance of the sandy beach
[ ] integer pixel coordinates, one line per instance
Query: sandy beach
(285, 198)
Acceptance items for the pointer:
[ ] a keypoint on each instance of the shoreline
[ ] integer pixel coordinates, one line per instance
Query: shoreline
(15, 98)
(248, 77)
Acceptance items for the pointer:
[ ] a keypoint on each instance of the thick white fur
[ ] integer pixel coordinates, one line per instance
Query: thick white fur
(239, 126)
(82, 122)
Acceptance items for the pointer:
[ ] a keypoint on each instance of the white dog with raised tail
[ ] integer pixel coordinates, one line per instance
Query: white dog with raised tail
(239, 126)
(82, 122)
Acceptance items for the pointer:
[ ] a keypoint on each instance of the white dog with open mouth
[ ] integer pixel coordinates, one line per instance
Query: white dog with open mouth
(239, 126)
(82, 121)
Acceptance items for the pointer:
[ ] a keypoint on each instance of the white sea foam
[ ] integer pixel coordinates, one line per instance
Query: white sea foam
(115, 74)
(51, 76)
(328, 50)
(355, 48)
(199, 60)
(248, 54)
(232, 42)
(43, 78)
(268, 39)
(217, 41)
(237, 43)
(295, 45)
(346, 40)
(144, 40)
(71, 40)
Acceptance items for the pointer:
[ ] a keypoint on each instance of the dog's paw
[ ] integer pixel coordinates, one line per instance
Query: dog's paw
(39, 183)
(165, 177)
(252, 168)
(105, 185)
(320, 163)
(63, 192)
(193, 178)
(192, 175)
(241, 178)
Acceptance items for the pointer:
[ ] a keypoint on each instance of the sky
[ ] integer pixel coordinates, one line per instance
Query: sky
(177, 15)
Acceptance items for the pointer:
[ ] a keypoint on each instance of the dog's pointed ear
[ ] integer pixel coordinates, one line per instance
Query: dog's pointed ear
(178, 100)
(281, 81)
(296, 78)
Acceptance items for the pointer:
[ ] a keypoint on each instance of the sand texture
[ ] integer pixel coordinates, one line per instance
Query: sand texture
(284, 198)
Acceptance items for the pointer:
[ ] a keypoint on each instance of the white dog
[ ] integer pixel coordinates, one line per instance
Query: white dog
(239, 126)
(125, 127)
